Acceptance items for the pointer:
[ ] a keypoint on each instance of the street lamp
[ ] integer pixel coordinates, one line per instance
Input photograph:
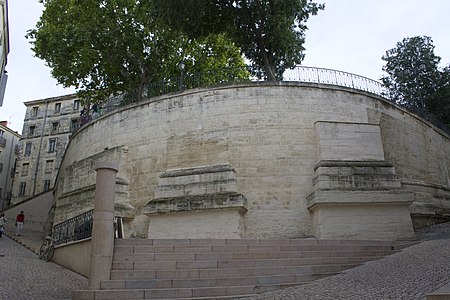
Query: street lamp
(181, 66)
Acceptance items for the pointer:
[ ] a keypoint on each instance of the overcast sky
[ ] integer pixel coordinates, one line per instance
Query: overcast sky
(349, 35)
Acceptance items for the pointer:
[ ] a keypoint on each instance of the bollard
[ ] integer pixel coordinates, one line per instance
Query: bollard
(102, 242)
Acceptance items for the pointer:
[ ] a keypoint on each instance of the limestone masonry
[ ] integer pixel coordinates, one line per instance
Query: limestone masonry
(263, 160)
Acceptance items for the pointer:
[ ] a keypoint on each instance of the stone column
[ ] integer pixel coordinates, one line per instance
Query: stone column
(102, 242)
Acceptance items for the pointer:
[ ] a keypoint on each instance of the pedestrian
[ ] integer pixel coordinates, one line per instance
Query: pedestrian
(2, 224)
(84, 116)
(95, 111)
(20, 219)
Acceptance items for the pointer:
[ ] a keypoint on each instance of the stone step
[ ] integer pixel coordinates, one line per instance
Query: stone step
(219, 264)
(443, 293)
(228, 272)
(223, 244)
(204, 293)
(207, 298)
(245, 242)
(243, 248)
(137, 257)
(227, 269)
(211, 282)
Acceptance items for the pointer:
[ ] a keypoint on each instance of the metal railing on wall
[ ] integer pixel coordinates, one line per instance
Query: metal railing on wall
(229, 76)
(223, 77)
(80, 228)
(334, 77)
(73, 229)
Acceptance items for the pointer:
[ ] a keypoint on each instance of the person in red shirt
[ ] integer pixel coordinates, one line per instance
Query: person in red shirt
(20, 219)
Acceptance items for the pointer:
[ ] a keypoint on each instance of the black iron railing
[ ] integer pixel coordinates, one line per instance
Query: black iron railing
(238, 75)
(221, 77)
(80, 228)
(74, 229)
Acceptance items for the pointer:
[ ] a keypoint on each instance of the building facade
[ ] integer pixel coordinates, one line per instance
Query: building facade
(4, 46)
(47, 127)
(9, 152)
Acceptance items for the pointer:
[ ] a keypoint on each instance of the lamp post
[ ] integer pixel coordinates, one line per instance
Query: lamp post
(181, 66)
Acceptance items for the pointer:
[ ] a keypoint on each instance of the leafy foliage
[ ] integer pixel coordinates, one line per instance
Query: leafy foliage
(439, 102)
(271, 33)
(107, 47)
(413, 75)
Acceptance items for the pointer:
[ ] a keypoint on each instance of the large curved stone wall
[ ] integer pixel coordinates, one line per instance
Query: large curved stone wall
(262, 160)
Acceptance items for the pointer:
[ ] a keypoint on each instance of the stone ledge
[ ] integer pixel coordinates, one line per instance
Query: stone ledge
(196, 171)
(334, 197)
(443, 293)
(352, 163)
(196, 202)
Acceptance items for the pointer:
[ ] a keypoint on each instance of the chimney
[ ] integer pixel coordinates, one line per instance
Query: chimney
(4, 123)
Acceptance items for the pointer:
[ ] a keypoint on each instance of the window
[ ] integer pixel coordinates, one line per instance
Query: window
(76, 104)
(55, 126)
(34, 111)
(32, 130)
(46, 185)
(25, 168)
(2, 139)
(22, 188)
(74, 125)
(1, 167)
(28, 149)
(49, 166)
(51, 145)
(57, 107)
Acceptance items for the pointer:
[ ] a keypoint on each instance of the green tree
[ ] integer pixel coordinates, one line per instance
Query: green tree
(413, 74)
(438, 103)
(107, 47)
(271, 33)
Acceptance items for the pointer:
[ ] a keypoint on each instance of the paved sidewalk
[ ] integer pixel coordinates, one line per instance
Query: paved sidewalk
(23, 276)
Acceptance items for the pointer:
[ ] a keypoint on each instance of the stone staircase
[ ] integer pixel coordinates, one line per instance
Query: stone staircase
(226, 269)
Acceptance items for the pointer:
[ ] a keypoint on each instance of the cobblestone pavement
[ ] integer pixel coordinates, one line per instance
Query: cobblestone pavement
(410, 274)
(24, 276)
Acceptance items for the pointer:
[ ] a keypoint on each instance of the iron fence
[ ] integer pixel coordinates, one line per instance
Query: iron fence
(229, 76)
(334, 77)
(221, 77)
(74, 229)
(80, 227)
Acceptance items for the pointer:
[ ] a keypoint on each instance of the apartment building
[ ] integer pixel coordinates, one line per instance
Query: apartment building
(9, 153)
(48, 125)
(4, 46)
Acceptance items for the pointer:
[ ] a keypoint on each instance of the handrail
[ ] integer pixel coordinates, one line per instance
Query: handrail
(334, 77)
(73, 229)
(80, 227)
(235, 75)
(222, 77)
(228, 76)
